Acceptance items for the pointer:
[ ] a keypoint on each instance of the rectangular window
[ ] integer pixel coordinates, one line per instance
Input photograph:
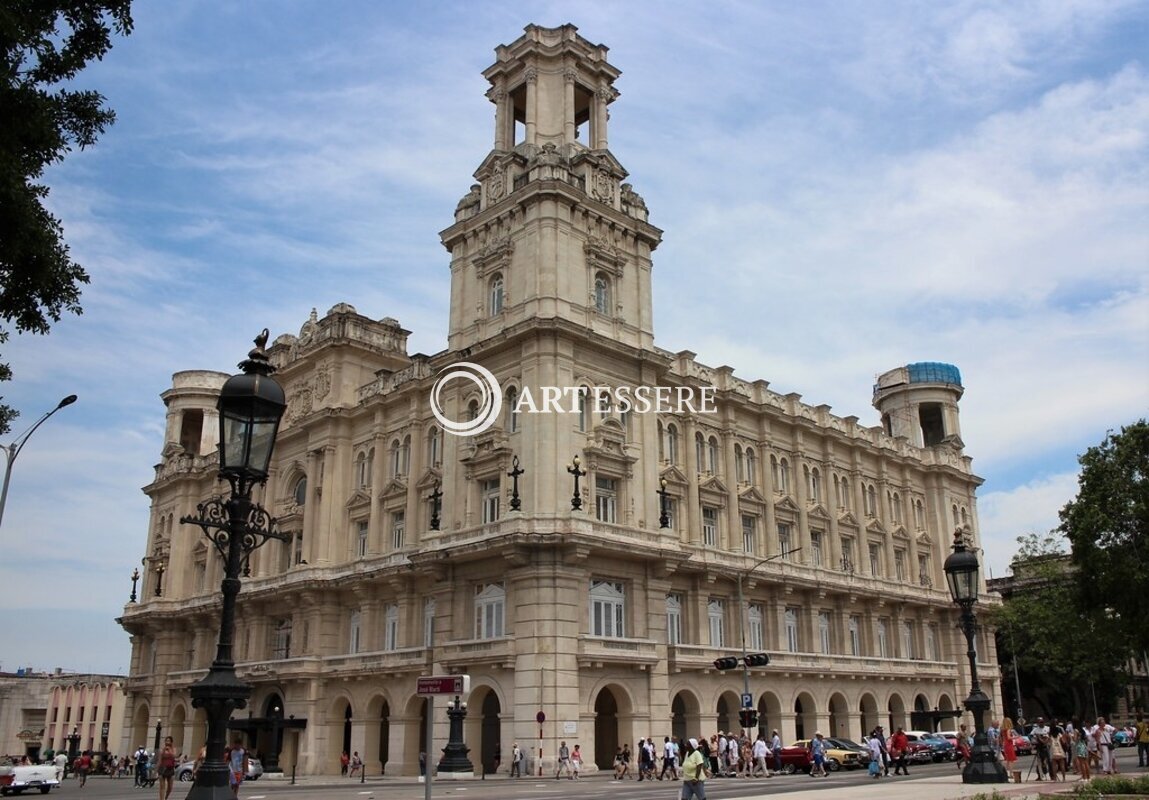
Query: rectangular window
(361, 539)
(932, 643)
(490, 499)
(398, 529)
(749, 534)
(875, 560)
(607, 609)
(283, 639)
(709, 526)
(391, 628)
(674, 619)
(855, 638)
(824, 631)
(490, 607)
(429, 622)
(900, 564)
(847, 555)
(908, 650)
(925, 574)
(605, 499)
(716, 612)
(757, 627)
(883, 640)
(354, 637)
(792, 630)
(785, 544)
(816, 548)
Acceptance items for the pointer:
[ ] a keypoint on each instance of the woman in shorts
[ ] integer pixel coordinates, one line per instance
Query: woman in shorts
(166, 768)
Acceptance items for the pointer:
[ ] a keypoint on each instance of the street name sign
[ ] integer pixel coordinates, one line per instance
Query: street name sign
(443, 684)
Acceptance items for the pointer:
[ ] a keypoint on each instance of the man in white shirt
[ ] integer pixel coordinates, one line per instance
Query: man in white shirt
(669, 759)
(1040, 735)
(1103, 734)
(760, 752)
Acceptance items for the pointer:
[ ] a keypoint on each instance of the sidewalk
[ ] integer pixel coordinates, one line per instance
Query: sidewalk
(947, 787)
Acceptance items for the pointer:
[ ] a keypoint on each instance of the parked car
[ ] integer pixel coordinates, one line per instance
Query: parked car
(27, 777)
(849, 744)
(918, 752)
(186, 770)
(796, 759)
(836, 757)
(1021, 744)
(939, 748)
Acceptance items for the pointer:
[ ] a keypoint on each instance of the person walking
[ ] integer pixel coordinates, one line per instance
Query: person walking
(236, 758)
(564, 764)
(356, 764)
(899, 742)
(344, 763)
(83, 767)
(760, 753)
(1141, 735)
(576, 762)
(516, 761)
(669, 759)
(818, 752)
(776, 749)
(693, 773)
(166, 768)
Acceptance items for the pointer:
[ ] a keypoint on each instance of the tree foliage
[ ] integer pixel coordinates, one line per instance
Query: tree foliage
(1060, 646)
(44, 45)
(1108, 527)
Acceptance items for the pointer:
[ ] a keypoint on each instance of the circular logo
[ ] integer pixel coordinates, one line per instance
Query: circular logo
(490, 405)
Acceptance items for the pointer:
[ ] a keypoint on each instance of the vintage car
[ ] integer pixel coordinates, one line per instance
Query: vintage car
(186, 770)
(33, 777)
(836, 757)
(1021, 744)
(796, 759)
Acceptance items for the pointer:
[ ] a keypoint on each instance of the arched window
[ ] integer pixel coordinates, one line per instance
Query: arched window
(512, 411)
(396, 458)
(896, 507)
(700, 451)
(672, 443)
(602, 293)
(815, 485)
(361, 470)
(583, 409)
(712, 454)
(783, 476)
(406, 454)
(871, 500)
(299, 493)
(739, 464)
(661, 442)
(473, 410)
(751, 466)
(495, 302)
(434, 445)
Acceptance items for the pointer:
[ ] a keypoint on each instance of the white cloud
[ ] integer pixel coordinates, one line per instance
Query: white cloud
(1030, 508)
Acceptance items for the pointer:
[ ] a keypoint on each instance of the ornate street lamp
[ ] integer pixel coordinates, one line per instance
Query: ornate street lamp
(455, 753)
(250, 407)
(135, 580)
(663, 504)
(573, 469)
(961, 570)
(13, 450)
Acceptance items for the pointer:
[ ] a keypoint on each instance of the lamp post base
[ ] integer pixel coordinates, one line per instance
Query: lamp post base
(984, 769)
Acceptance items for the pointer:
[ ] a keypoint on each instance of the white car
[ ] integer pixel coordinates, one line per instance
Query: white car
(186, 770)
(38, 777)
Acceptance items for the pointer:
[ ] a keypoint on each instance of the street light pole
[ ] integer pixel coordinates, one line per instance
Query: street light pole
(250, 408)
(961, 570)
(742, 610)
(13, 450)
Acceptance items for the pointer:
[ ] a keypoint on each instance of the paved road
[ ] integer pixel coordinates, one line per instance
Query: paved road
(926, 781)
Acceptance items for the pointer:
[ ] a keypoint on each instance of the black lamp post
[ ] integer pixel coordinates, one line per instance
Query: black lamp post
(663, 504)
(516, 471)
(160, 569)
(250, 407)
(73, 740)
(436, 498)
(961, 570)
(135, 580)
(455, 753)
(573, 469)
(156, 742)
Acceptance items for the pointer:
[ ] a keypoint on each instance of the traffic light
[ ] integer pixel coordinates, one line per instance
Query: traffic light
(748, 717)
(757, 660)
(726, 662)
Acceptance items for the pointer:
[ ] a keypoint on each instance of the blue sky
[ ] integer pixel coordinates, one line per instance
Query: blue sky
(844, 188)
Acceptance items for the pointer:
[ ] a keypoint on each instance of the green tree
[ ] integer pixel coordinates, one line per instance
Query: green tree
(1108, 527)
(1065, 654)
(44, 45)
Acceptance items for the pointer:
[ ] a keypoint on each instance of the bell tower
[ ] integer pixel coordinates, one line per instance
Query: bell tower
(550, 230)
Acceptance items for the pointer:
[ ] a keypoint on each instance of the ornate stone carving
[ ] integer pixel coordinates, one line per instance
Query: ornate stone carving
(603, 186)
(497, 184)
(493, 257)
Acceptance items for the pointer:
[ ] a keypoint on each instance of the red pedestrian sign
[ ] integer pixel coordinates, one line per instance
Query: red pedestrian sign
(443, 684)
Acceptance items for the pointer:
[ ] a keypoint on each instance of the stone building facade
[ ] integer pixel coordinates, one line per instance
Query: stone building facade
(42, 712)
(410, 552)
